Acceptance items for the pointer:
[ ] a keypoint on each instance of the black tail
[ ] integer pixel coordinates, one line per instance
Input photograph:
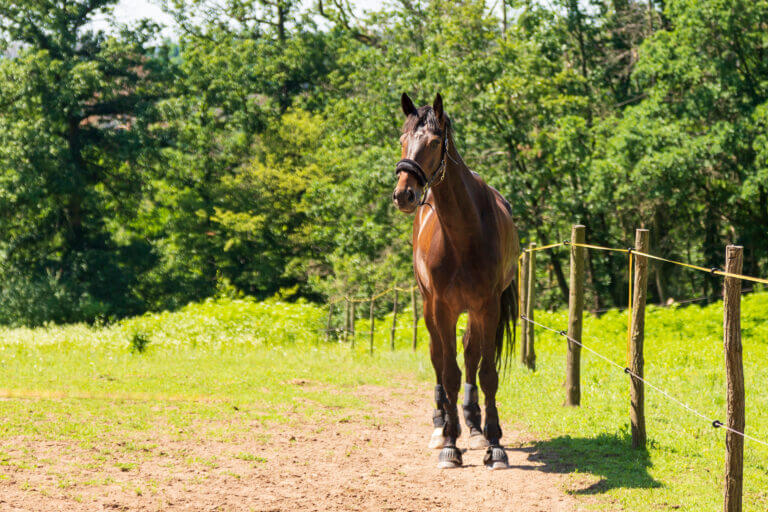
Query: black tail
(508, 313)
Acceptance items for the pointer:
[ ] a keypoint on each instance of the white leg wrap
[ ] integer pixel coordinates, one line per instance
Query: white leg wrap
(437, 440)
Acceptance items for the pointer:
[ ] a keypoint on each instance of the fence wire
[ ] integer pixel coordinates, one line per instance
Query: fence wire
(359, 300)
(713, 422)
(630, 251)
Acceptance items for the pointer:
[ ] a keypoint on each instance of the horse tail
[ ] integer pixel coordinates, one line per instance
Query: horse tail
(505, 336)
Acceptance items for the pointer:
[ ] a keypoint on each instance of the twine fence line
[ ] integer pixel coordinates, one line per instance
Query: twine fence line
(630, 251)
(359, 300)
(349, 316)
(638, 257)
(713, 422)
(746, 291)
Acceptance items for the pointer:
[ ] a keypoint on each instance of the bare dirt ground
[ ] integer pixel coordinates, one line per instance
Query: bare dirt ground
(366, 460)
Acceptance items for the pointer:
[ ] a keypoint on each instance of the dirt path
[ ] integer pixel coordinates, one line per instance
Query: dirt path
(360, 462)
(389, 467)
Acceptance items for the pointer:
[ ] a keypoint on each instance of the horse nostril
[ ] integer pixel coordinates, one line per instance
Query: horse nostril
(411, 195)
(394, 195)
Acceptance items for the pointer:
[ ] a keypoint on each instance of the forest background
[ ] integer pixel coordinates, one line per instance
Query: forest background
(252, 151)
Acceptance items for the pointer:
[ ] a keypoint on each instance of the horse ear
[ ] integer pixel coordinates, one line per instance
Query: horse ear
(407, 104)
(437, 106)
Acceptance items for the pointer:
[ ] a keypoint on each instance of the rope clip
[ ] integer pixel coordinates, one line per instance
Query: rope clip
(717, 424)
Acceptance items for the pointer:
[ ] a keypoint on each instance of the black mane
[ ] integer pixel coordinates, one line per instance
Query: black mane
(425, 116)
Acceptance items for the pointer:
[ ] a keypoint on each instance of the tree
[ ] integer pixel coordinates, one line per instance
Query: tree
(75, 135)
(692, 149)
(242, 67)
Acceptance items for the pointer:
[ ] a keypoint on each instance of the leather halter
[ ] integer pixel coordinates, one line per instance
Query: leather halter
(413, 168)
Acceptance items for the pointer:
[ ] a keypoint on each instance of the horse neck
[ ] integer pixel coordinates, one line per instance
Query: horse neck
(453, 201)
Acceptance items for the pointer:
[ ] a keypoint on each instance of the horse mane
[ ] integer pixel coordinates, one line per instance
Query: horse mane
(425, 116)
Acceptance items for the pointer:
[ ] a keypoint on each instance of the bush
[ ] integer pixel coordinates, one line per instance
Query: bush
(34, 300)
(139, 342)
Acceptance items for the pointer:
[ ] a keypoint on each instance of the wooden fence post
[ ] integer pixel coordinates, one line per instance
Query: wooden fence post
(372, 322)
(734, 443)
(345, 334)
(415, 318)
(530, 352)
(523, 308)
(637, 337)
(352, 323)
(328, 326)
(575, 312)
(394, 322)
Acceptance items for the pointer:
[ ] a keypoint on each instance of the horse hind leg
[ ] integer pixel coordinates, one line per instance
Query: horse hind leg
(495, 456)
(477, 440)
(471, 407)
(472, 418)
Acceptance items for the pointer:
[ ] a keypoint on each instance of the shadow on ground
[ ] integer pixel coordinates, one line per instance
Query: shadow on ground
(609, 457)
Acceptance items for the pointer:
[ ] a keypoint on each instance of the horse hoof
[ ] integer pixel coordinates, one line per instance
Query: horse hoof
(496, 458)
(437, 440)
(477, 441)
(450, 458)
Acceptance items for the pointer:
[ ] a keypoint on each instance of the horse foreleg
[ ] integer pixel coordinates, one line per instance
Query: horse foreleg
(438, 419)
(441, 322)
(437, 439)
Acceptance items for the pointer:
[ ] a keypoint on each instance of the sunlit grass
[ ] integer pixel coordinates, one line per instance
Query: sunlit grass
(266, 362)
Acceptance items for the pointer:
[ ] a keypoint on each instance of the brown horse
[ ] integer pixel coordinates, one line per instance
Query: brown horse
(465, 249)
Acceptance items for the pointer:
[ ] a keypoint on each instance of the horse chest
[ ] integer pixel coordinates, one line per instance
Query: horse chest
(423, 241)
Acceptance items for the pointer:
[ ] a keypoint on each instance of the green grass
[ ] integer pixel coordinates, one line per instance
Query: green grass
(265, 362)
(683, 467)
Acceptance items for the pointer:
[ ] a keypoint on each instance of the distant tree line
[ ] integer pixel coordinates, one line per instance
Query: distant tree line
(253, 151)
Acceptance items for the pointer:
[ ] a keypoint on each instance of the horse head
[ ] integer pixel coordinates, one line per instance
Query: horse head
(424, 146)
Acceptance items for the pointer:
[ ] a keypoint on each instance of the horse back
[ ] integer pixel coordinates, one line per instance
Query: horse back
(506, 230)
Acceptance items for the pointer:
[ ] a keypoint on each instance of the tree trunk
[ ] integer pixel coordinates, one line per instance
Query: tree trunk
(558, 269)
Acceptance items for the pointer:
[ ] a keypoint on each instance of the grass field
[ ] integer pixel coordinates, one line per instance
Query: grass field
(210, 364)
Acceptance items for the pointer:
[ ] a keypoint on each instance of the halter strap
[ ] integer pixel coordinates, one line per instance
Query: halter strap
(413, 168)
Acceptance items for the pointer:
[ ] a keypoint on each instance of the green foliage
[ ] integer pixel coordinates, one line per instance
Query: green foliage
(256, 149)
(74, 135)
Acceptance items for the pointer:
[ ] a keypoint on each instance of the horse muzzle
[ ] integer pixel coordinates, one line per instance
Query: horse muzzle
(405, 198)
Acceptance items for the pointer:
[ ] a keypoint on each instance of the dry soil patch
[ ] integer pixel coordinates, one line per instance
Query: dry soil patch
(357, 462)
